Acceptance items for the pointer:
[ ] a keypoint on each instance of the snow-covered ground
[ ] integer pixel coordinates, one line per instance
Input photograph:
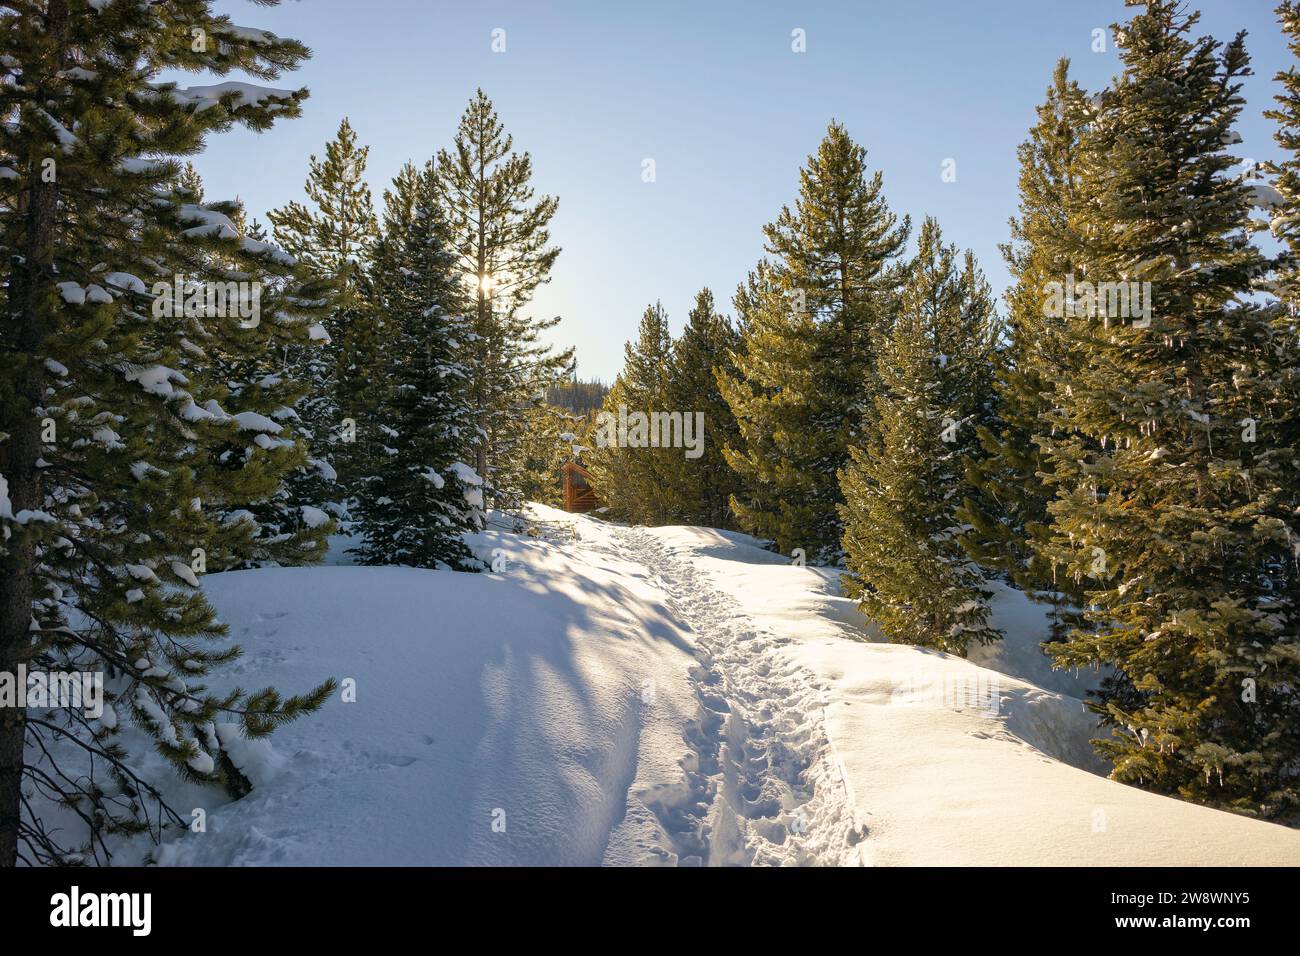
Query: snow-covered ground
(935, 759)
(656, 696)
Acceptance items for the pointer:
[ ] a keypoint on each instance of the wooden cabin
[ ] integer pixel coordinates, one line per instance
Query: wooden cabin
(578, 496)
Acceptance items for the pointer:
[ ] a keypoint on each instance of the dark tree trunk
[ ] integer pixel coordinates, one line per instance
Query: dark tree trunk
(20, 344)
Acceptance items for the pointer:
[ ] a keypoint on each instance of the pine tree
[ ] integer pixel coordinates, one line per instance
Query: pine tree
(334, 235)
(419, 497)
(704, 485)
(247, 378)
(761, 330)
(613, 478)
(633, 477)
(1007, 509)
(578, 396)
(548, 443)
(191, 184)
(906, 566)
(1175, 500)
(1284, 200)
(502, 242)
(108, 418)
(801, 391)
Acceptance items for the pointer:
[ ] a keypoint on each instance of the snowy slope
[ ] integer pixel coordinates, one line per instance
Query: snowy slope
(933, 775)
(651, 696)
(535, 700)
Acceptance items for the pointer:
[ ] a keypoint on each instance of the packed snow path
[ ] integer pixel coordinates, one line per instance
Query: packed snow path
(764, 784)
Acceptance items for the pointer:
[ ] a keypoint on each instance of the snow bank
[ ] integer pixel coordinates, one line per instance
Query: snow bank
(659, 696)
(934, 776)
(499, 718)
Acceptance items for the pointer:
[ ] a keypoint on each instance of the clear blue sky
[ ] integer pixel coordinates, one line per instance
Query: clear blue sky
(713, 93)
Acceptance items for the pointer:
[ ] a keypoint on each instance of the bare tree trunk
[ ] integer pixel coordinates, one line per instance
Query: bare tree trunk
(20, 343)
(484, 315)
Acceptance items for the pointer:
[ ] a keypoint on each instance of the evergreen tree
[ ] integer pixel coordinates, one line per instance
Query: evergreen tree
(502, 242)
(613, 478)
(190, 184)
(1175, 500)
(246, 377)
(419, 498)
(801, 390)
(633, 477)
(257, 232)
(548, 443)
(761, 330)
(108, 418)
(580, 397)
(1007, 507)
(334, 235)
(906, 565)
(704, 485)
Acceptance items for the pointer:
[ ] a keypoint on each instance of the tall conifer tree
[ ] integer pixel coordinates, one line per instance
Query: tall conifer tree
(246, 377)
(705, 350)
(1175, 498)
(1007, 507)
(634, 478)
(802, 387)
(108, 419)
(419, 496)
(501, 238)
(334, 234)
(902, 486)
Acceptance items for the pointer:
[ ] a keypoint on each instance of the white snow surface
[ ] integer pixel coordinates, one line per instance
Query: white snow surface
(660, 696)
(314, 517)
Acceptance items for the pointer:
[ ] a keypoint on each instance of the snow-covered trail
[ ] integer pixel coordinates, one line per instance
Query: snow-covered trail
(947, 761)
(658, 696)
(765, 787)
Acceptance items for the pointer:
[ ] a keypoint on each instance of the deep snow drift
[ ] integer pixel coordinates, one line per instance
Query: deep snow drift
(660, 696)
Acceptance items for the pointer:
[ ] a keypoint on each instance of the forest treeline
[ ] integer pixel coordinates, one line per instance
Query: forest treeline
(184, 390)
